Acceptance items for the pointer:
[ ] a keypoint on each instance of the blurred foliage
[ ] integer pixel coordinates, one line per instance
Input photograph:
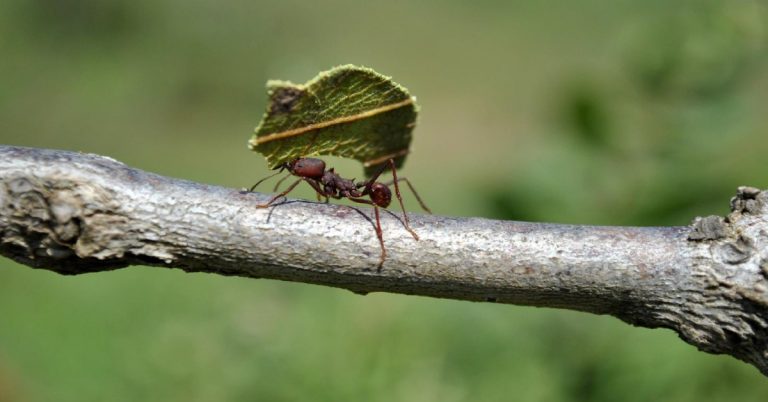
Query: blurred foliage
(585, 112)
(81, 21)
(686, 79)
(700, 55)
(622, 112)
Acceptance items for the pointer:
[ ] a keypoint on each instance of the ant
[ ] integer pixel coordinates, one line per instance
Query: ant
(329, 184)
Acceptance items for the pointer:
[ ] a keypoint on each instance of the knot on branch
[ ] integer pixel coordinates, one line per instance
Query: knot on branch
(749, 200)
(733, 269)
(47, 222)
(738, 245)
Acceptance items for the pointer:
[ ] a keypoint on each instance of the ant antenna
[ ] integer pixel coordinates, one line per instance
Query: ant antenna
(253, 187)
(279, 182)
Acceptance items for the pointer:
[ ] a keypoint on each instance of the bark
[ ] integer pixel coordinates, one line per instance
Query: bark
(74, 213)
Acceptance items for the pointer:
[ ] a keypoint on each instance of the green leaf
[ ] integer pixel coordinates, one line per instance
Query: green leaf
(348, 111)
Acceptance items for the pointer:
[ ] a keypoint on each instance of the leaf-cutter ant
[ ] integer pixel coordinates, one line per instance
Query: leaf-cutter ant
(328, 184)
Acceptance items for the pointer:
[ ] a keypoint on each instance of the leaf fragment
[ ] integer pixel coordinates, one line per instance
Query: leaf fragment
(348, 111)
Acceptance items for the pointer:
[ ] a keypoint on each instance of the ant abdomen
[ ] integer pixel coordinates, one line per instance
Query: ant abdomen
(381, 195)
(310, 168)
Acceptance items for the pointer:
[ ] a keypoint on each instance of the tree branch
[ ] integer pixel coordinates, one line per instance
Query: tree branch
(74, 213)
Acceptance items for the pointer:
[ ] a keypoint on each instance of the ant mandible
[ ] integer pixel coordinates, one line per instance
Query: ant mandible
(328, 184)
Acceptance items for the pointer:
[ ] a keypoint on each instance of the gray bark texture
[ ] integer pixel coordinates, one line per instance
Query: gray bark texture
(75, 213)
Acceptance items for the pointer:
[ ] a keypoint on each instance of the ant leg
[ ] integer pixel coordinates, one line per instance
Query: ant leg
(275, 197)
(369, 183)
(381, 238)
(321, 197)
(413, 190)
(253, 187)
(379, 233)
(279, 182)
(407, 223)
(319, 190)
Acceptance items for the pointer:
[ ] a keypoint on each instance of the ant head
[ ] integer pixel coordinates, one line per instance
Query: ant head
(381, 195)
(310, 168)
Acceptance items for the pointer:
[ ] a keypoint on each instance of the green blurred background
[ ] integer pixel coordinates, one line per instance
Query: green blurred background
(602, 112)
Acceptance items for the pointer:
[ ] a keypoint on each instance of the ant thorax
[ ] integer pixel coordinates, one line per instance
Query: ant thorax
(332, 180)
